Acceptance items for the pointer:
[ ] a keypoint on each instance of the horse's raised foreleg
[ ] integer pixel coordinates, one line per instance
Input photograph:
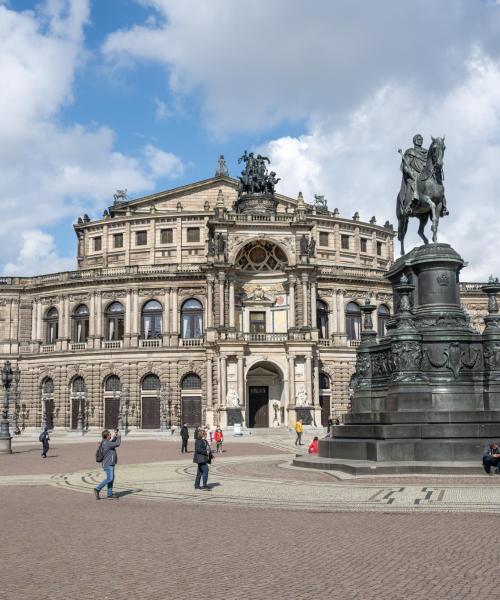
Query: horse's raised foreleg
(435, 221)
(423, 222)
(402, 229)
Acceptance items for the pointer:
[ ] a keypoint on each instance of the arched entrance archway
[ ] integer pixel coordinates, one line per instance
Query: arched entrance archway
(264, 393)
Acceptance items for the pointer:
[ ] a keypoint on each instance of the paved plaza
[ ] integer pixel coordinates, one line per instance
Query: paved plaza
(265, 530)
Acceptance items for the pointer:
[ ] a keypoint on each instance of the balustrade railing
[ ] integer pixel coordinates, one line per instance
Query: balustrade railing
(191, 342)
(78, 346)
(156, 343)
(112, 344)
(48, 348)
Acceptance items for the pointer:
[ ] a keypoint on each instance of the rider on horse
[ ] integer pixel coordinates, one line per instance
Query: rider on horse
(412, 164)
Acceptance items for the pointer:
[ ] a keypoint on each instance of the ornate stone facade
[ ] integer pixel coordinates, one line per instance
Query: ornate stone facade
(184, 309)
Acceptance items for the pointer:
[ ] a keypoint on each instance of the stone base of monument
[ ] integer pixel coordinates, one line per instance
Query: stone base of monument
(368, 467)
(426, 398)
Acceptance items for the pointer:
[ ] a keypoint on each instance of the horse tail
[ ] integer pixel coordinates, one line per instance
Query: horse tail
(402, 218)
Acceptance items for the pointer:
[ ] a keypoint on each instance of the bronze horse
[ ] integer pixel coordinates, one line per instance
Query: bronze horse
(430, 192)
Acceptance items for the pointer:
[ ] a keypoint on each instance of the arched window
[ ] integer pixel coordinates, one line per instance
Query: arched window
(78, 384)
(152, 316)
(353, 321)
(151, 382)
(52, 325)
(324, 382)
(112, 384)
(191, 381)
(115, 320)
(383, 315)
(322, 319)
(192, 319)
(48, 386)
(81, 324)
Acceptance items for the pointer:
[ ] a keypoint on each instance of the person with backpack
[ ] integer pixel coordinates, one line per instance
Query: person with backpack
(44, 438)
(106, 454)
(185, 438)
(202, 457)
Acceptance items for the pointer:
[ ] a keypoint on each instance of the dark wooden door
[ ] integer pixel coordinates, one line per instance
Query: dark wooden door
(49, 415)
(151, 413)
(258, 406)
(324, 402)
(74, 412)
(191, 411)
(111, 410)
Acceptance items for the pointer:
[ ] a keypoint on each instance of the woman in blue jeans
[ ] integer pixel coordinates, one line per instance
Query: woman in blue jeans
(202, 457)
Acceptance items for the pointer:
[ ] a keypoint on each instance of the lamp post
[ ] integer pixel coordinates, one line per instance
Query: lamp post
(25, 414)
(124, 403)
(5, 437)
(44, 410)
(165, 396)
(15, 412)
(120, 410)
(80, 396)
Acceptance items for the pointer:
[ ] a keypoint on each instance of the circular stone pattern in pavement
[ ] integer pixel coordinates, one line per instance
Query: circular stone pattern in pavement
(270, 481)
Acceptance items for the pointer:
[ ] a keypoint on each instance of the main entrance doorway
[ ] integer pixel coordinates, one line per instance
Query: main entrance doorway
(191, 411)
(111, 411)
(258, 406)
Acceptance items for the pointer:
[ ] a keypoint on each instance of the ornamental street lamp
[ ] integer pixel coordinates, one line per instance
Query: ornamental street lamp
(25, 415)
(165, 405)
(124, 404)
(120, 410)
(44, 411)
(80, 396)
(5, 437)
(15, 412)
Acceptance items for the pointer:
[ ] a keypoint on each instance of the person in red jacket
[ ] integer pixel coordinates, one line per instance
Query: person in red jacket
(219, 438)
(313, 446)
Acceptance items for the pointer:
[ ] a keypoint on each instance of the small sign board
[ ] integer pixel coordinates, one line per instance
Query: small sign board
(237, 429)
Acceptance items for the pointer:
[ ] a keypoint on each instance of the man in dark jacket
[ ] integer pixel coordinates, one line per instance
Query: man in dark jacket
(491, 458)
(185, 438)
(110, 459)
(44, 438)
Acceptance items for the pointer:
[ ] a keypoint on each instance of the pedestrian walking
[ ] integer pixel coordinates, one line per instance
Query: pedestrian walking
(185, 438)
(313, 446)
(298, 430)
(202, 457)
(44, 438)
(196, 432)
(106, 453)
(219, 439)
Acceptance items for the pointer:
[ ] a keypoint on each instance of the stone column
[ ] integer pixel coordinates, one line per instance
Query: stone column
(39, 321)
(128, 314)
(99, 329)
(340, 312)
(231, 302)
(291, 379)
(166, 316)
(316, 382)
(210, 302)
(291, 300)
(34, 317)
(305, 310)
(175, 311)
(309, 375)
(209, 383)
(92, 316)
(221, 298)
(332, 314)
(313, 304)
(223, 380)
(241, 380)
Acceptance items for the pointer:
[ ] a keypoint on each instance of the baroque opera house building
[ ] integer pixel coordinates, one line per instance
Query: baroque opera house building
(218, 302)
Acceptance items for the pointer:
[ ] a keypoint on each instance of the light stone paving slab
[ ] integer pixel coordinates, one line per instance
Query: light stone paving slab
(173, 481)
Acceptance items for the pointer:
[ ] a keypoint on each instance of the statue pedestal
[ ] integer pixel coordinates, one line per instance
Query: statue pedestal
(422, 394)
(6, 444)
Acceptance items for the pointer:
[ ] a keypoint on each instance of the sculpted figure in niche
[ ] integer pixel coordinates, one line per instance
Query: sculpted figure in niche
(301, 396)
(232, 398)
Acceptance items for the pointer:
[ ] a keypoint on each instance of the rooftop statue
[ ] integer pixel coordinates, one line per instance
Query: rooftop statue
(221, 170)
(320, 203)
(422, 190)
(120, 196)
(254, 178)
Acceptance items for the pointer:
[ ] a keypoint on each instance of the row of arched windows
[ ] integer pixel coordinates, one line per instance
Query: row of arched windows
(114, 326)
(352, 320)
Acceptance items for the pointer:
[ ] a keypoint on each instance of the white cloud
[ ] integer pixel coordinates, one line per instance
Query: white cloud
(50, 171)
(355, 164)
(38, 254)
(259, 63)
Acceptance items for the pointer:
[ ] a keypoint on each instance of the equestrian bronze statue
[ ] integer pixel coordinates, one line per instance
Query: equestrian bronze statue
(422, 190)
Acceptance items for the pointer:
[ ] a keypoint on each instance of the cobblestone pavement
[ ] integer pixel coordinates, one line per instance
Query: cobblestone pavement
(370, 538)
(58, 545)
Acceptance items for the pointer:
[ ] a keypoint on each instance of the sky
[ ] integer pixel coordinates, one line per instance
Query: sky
(98, 95)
